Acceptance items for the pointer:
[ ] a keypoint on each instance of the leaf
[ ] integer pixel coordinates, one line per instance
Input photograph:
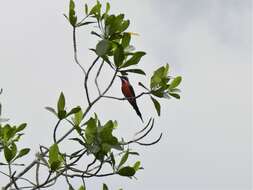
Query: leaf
(138, 71)
(127, 171)
(61, 102)
(118, 56)
(103, 47)
(96, 34)
(91, 131)
(78, 117)
(55, 159)
(157, 106)
(160, 78)
(21, 127)
(22, 153)
(126, 40)
(86, 9)
(51, 110)
(137, 165)
(85, 23)
(7, 154)
(105, 187)
(82, 188)
(134, 60)
(74, 110)
(72, 13)
(176, 81)
(177, 96)
(124, 159)
(62, 114)
(106, 134)
(107, 8)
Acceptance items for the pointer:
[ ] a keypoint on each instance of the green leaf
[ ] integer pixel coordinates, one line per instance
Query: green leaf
(86, 9)
(137, 165)
(134, 60)
(137, 71)
(160, 78)
(82, 188)
(96, 10)
(78, 117)
(106, 133)
(55, 159)
(124, 159)
(158, 93)
(85, 23)
(61, 102)
(176, 81)
(22, 153)
(8, 154)
(124, 25)
(103, 47)
(126, 40)
(21, 127)
(72, 13)
(51, 110)
(157, 106)
(74, 110)
(62, 114)
(105, 187)
(118, 56)
(127, 171)
(91, 131)
(107, 8)
(177, 96)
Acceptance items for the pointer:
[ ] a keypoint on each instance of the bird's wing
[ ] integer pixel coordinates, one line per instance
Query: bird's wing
(132, 90)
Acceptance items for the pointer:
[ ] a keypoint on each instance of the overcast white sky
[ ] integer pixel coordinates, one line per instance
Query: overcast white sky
(207, 134)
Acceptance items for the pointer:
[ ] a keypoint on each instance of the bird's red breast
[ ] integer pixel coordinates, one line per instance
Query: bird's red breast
(126, 89)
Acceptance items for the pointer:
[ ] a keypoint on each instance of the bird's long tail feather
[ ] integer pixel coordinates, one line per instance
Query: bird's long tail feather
(137, 110)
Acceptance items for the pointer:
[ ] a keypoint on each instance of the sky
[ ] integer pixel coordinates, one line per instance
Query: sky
(207, 141)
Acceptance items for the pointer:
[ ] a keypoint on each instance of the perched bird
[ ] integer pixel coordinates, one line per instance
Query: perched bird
(128, 92)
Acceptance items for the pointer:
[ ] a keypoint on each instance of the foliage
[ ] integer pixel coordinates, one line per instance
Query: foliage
(96, 139)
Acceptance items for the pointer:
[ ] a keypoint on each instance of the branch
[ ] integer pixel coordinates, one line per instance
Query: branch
(127, 98)
(75, 51)
(86, 80)
(55, 129)
(97, 75)
(33, 163)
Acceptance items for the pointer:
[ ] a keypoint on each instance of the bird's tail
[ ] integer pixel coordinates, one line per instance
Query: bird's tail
(137, 111)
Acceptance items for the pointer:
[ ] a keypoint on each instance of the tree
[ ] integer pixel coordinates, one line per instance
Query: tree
(95, 138)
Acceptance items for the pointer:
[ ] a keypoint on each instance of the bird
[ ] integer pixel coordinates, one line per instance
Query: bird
(128, 92)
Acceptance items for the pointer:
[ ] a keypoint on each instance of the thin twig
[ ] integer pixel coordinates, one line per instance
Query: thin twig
(86, 80)
(66, 134)
(97, 75)
(75, 51)
(127, 98)
(55, 129)
(37, 174)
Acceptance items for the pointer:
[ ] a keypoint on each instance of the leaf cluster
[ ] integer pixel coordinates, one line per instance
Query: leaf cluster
(9, 136)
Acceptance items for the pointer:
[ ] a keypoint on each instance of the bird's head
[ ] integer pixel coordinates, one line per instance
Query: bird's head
(124, 79)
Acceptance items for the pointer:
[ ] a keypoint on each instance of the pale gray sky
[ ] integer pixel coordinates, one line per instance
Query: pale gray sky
(207, 134)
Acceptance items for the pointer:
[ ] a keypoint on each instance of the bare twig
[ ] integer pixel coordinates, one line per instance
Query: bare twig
(86, 80)
(75, 51)
(127, 98)
(97, 75)
(37, 174)
(55, 129)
